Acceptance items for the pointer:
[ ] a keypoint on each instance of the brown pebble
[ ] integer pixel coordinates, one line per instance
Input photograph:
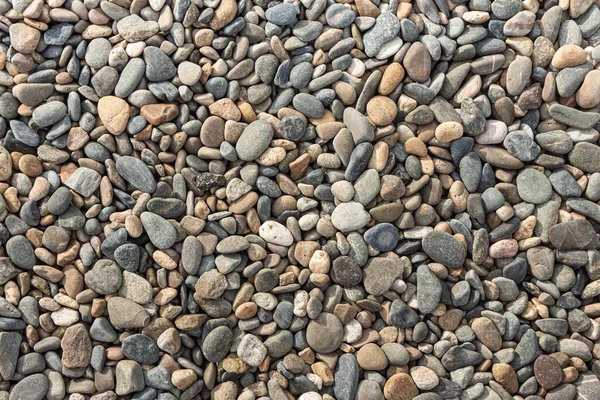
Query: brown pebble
(548, 372)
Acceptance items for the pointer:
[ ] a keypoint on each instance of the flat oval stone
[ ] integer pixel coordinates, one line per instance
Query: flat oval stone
(308, 105)
(215, 346)
(49, 113)
(255, 139)
(444, 248)
(20, 251)
(533, 186)
(382, 237)
(136, 172)
(160, 231)
(281, 14)
(276, 233)
(548, 372)
(32, 387)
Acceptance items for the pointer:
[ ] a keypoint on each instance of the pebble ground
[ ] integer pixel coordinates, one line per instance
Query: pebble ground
(305, 199)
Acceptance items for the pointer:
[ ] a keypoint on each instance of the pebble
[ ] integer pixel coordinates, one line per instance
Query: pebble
(533, 186)
(76, 346)
(349, 216)
(400, 386)
(140, 348)
(324, 334)
(31, 387)
(444, 248)
(254, 140)
(417, 62)
(382, 237)
(346, 377)
(251, 350)
(281, 14)
(134, 171)
(160, 231)
(429, 290)
(548, 372)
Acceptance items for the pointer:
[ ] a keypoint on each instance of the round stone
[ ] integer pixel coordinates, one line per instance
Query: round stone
(346, 272)
(382, 110)
(533, 186)
(324, 334)
(382, 237)
(370, 357)
(400, 387)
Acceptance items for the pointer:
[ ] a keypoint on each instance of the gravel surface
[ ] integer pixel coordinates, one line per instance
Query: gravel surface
(267, 200)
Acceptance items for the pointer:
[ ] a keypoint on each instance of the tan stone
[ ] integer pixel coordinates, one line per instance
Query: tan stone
(183, 378)
(304, 252)
(505, 375)
(569, 55)
(382, 110)
(588, 95)
(400, 387)
(225, 108)
(224, 14)
(392, 76)
(114, 114)
(415, 146)
(370, 357)
(5, 164)
(24, 38)
(448, 131)
(157, 114)
(367, 9)
(76, 347)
